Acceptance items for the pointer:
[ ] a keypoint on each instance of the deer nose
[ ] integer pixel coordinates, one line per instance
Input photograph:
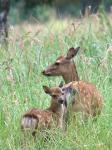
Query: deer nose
(43, 72)
(61, 101)
(46, 73)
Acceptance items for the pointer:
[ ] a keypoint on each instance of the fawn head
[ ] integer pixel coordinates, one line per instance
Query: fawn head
(58, 94)
(62, 65)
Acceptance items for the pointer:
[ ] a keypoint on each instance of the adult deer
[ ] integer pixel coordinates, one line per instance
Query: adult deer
(40, 119)
(87, 99)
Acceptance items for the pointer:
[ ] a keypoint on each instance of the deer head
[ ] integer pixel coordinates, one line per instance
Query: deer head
(61, 94)
(64, 66)
(58, 96)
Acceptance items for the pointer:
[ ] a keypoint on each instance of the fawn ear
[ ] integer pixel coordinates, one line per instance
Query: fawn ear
(61, 84)
(47, 90)
(72, 52)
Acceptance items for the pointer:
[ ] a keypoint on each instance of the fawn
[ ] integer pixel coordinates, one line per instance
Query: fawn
(35, 118)
(87, 98)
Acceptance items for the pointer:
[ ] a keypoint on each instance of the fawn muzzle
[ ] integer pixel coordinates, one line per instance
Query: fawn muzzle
(61, 100)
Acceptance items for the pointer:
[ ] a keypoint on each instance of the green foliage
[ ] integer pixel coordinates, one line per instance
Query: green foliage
(39, 9)
(20, 12)
(31, 49)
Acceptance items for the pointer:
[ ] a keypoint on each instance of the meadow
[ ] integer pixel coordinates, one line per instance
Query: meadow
(32, 46)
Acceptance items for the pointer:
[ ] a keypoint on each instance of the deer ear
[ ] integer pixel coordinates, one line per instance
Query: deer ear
(72, 52)
(47, 90)
(61, 84)
(67, 88)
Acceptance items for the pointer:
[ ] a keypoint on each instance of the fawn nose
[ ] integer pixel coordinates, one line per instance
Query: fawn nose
(61, 101)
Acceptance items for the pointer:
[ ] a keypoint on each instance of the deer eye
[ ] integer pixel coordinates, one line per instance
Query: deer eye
(63, 89)
(54, 96)
(57, 63)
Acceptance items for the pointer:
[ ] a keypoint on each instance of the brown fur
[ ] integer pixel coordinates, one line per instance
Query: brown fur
(87, 98)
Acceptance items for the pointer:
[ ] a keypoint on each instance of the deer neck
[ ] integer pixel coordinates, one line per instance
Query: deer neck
(60, 110)
(56, 108)
(72, 74)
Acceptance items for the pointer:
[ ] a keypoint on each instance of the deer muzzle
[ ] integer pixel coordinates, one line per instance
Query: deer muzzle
(46, 73)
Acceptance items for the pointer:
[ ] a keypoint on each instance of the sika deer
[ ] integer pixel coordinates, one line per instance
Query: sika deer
(40, 119)
(88, 99)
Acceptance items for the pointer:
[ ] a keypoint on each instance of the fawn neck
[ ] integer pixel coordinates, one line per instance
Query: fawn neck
(72, 74)
(60, 110)
(56, 108)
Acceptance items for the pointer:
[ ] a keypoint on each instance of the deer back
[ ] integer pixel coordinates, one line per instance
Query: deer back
(87, 98)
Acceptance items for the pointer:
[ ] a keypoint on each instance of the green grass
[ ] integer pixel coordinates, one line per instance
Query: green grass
(31, 48)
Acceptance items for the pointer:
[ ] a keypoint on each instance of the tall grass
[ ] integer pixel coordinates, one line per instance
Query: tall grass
(31, 48)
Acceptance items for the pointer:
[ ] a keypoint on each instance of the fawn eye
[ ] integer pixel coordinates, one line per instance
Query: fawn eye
(54, 96)
(63, 89)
